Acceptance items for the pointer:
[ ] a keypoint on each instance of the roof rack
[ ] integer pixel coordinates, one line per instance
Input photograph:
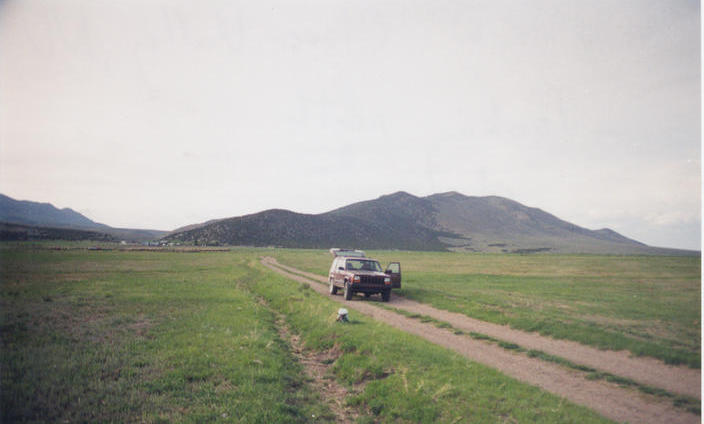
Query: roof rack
(354, 253)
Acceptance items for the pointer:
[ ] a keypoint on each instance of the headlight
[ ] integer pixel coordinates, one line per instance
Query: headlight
(387, 280)
(356, 279)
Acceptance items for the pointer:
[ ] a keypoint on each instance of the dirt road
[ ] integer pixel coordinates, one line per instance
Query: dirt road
(648, 371)
(606, 398)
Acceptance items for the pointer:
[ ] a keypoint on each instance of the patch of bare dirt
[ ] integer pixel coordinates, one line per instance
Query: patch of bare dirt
(608, 399)
(141, 326)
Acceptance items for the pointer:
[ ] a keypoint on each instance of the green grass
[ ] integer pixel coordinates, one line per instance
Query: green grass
(109, 336)
(404, 378)
(687, 403)
(648, 305)
(191, 337)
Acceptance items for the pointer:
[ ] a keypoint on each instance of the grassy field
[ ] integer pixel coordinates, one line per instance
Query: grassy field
(140, 336)
(649, 305)
(192, 337)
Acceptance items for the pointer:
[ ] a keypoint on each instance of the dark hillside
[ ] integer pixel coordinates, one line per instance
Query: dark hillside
(33, 213)
(399, 209)
(18, 232)
(46, 216)
(444, 221)
(278, 227)
(496, 215)
(498, 224)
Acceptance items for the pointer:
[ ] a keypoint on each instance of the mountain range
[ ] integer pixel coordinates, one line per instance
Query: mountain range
(440, 222)
(443, 221)
(23, 220)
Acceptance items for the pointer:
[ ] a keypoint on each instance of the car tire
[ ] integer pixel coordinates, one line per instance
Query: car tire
(348, 291)
(333, 287)
(385, 295)
(367, 294)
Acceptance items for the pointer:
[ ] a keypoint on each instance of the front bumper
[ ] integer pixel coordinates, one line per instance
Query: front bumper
(369, 288)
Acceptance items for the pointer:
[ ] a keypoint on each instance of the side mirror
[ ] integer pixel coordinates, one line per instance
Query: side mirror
(341, 268)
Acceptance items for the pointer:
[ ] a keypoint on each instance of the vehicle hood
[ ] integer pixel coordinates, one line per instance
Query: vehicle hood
(372, 273)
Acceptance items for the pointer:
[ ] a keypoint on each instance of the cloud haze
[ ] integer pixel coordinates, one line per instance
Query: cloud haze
(164, 113)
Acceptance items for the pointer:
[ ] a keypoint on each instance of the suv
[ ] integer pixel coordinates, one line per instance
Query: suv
(355, 274)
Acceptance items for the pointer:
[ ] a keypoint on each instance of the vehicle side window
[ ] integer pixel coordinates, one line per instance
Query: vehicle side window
(394, 268)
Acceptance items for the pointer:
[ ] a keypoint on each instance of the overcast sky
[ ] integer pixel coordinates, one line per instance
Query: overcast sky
(162, 113)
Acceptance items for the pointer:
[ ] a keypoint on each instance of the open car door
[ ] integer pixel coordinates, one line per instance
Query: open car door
(394, 271)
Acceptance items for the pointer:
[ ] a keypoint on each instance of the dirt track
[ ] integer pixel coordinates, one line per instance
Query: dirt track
(608, 399)
(648, 371)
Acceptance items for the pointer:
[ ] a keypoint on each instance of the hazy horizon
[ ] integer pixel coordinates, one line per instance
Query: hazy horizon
(164, 113)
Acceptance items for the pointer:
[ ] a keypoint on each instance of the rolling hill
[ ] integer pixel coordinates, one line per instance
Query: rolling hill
(444, 221)
(42, 214)
(19, 232)
(277, 227)
(33, 220)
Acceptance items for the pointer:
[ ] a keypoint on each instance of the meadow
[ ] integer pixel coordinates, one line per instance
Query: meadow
(192, 337)
(648, 305)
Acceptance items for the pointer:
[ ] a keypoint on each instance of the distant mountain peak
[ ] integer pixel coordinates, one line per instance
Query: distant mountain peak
(24, 214)
(35, 213)
(455, 194)
(399, 195)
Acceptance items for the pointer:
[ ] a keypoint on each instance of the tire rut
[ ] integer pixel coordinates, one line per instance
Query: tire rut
(316, 366)
(606, 398)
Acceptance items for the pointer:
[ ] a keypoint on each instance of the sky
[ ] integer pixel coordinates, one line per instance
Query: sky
(162, 113)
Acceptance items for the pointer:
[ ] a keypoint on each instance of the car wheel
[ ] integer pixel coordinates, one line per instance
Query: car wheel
(386, 295)
(348, 291)
(333, 288)
(367, 294)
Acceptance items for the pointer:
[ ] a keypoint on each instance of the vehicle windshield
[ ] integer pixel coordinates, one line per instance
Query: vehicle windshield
(363, 265)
